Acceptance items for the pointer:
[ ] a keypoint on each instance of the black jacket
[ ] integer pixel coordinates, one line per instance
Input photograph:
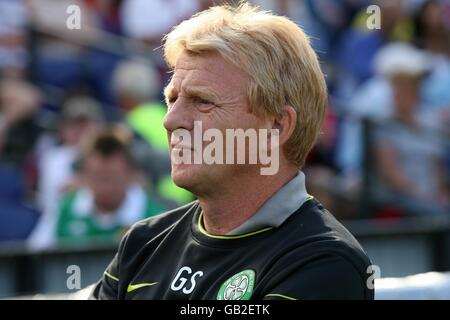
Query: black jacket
(310, 256)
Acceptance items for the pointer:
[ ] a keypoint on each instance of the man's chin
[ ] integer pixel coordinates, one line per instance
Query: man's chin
(197, 178)
(185, 176)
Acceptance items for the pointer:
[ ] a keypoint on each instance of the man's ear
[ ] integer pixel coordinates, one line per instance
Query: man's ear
(286, 123)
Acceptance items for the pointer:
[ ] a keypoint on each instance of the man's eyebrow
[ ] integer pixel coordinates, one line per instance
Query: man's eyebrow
(201, 92)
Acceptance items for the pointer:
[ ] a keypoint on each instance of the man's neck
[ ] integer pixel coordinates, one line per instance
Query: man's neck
(230, 208)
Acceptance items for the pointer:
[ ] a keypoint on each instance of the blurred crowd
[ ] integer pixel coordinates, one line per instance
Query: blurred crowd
(83, 153)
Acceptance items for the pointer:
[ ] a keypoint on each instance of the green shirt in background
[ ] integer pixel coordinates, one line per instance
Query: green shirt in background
(78, 221)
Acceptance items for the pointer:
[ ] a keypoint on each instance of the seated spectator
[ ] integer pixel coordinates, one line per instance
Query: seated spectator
(409, 154)
(374, 100)
(80, 117)
(56, 163)
(110, 198)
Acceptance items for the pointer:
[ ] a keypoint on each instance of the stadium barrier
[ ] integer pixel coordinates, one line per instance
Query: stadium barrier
(424, 286)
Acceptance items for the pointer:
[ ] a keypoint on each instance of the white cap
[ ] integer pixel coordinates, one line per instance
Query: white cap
(137, 78)
(401, 58)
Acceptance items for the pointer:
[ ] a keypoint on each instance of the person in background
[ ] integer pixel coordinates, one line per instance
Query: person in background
(110, 198)
(409, 149)
(374, 101)
(81, 116)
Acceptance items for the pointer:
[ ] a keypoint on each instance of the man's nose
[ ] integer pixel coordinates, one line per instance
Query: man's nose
(179, 116)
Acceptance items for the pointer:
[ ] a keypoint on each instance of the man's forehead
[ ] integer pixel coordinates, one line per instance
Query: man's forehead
(207, 69)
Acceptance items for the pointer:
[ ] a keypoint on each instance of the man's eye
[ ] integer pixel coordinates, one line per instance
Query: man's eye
(200, 101)
(172, 99)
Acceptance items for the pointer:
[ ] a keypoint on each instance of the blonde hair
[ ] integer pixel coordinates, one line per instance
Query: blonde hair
(274, 52)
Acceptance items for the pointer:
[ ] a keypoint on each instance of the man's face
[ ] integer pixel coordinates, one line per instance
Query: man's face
(207, 88)
(73, 130)
(406, 93)
(108, 178)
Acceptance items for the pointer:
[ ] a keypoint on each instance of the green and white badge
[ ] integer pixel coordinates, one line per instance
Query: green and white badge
(238, 287)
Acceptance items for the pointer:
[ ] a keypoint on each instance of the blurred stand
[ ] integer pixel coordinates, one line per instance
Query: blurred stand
(18, 101)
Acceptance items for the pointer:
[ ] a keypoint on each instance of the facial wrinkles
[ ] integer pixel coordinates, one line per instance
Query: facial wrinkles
(215, 76)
